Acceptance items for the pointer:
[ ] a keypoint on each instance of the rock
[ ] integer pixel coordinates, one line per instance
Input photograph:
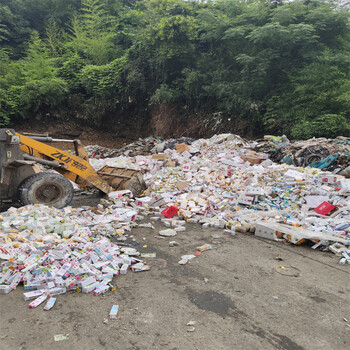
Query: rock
(168, 233)
(345, 172)
(185, 259)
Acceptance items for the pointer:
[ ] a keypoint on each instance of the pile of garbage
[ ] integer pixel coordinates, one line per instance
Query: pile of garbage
(326, 154)
(141, 147)
(53, 251)
(222, 182)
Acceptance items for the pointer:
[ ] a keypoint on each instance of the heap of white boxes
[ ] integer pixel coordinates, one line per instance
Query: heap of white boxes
(53, 251)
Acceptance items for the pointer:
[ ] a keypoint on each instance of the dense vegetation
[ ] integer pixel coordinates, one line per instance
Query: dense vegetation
(265, 66)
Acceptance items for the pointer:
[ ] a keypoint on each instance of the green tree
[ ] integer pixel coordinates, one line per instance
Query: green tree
(30, 86)
(92, 30)
(316, 92)
(55, 38)
(263, 65)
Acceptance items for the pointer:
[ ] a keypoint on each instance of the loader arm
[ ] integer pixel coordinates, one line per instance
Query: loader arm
(71, 166)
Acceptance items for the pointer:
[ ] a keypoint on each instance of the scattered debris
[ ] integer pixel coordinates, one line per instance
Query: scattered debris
(205, 247)
(50, 304)
(148, 255)
(186, 258)
(59, 337)
(149, 225)
(114, 311)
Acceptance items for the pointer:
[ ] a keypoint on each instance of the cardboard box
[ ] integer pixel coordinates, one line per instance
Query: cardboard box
(182, 147)
(265, 231)
(182, 185)
(329, 179)
(160, 156)
(252, 159)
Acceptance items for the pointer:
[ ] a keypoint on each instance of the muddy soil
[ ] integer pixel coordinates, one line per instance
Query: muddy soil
(233, 293)
(72, 130)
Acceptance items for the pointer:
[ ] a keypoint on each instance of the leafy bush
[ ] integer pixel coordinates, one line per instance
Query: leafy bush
(41, 96)
(327, 125)
(164, 94)
(9, 104)
(104, 81)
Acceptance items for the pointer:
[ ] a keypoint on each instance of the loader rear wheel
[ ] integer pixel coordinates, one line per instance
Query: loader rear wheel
(46, 188)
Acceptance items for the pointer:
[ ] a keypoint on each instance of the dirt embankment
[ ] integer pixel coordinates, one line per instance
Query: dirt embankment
(165, 122)
(74, 130)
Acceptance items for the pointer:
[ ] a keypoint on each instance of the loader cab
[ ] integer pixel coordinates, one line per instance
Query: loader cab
(13, 168)
(20, 181)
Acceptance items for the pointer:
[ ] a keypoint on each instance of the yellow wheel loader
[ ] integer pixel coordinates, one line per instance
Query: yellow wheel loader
(21, 178)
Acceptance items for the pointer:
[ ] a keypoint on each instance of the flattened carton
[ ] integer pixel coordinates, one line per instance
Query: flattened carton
(182, 185)
(160, 156)
(182, 147)
(252, 159)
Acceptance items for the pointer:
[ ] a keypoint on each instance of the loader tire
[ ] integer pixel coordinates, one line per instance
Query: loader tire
(46, 188)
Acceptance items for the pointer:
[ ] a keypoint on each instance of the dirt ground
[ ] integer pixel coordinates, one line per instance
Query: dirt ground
(233, 293)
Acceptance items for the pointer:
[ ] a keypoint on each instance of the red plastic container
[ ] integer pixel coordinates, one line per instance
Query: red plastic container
(170, 211)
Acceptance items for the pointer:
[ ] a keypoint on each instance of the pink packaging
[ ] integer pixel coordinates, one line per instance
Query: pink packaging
(37, 301)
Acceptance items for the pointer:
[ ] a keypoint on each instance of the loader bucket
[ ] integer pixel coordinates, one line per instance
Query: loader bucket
(123, 179)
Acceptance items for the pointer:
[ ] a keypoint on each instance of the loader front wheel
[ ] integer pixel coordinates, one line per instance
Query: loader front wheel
(46, 188)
